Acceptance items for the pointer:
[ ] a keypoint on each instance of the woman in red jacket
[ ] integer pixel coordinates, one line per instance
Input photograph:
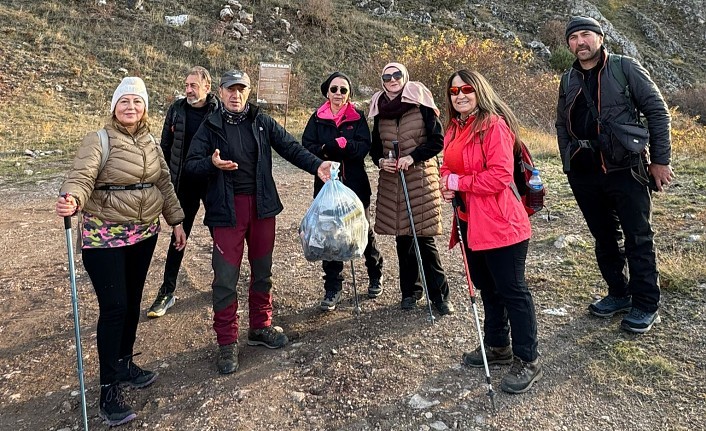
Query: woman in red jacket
(481, 137)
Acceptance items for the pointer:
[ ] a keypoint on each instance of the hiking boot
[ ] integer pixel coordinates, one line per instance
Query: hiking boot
(375, 287)
(331, 298)
(161, 305)
(610, 305)
(113, 408)
(134, 376)
(639, 321)
(408, 303)
(271, 337)
(444, 308)
(227, 358)
(521, 376)
(494, 356)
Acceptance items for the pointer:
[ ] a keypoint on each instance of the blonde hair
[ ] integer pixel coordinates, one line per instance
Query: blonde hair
(488, 103)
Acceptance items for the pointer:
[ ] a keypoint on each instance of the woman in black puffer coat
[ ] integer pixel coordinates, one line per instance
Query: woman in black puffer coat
(337, 131)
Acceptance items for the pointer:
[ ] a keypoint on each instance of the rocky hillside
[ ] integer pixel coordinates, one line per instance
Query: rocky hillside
(666, 35)
(60, 60)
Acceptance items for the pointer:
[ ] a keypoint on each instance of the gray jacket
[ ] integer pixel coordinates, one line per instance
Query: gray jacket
(614, 107)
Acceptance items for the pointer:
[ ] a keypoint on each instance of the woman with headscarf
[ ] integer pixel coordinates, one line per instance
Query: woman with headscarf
(481, 139)
(404, 111)
(337, 131)
(120, 198)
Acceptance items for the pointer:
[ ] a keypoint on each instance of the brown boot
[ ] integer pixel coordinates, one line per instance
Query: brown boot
(494, 355)
(521, 376)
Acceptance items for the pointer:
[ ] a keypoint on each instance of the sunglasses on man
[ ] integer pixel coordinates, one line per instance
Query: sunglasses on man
(390, 76)
(335, 88)
(465, 89)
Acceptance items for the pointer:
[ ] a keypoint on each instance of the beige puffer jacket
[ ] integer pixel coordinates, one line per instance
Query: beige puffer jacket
(132, 160)
(422, 180)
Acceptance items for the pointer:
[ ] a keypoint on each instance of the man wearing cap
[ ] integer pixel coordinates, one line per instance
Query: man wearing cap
(233, 149)
(598, 129)
(181, 123)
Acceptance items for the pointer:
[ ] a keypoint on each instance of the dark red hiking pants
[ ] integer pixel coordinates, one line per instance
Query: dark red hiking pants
(228, 248)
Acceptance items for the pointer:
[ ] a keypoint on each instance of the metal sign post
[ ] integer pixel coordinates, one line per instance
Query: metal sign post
(273, 85)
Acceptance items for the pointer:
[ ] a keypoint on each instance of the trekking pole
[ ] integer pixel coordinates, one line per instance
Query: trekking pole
(77, 328)
(472, 292)
(355, 291)
(417, 252)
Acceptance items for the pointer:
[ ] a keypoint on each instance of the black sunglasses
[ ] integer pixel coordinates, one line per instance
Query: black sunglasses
(334, 89)
(465, 89)
(388, 77)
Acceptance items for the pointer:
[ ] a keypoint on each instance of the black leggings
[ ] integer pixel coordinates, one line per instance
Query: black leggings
(118, 276)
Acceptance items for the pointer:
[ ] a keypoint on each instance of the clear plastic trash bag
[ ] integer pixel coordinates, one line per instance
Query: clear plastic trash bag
(334, 227)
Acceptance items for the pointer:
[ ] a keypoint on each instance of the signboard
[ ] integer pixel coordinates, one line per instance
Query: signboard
(273, 84)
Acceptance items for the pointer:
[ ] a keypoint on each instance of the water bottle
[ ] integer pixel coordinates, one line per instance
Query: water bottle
(535, 192)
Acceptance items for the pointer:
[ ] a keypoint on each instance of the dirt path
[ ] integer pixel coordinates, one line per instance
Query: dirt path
(338, 372)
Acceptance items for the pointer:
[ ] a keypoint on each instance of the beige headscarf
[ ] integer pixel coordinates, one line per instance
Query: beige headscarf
(413, 92)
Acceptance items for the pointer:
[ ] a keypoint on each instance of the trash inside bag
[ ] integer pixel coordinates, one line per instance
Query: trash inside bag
(334, 227)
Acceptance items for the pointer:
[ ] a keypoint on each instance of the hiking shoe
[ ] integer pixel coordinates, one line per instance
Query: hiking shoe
(610, 305)
(375, 287)
(494, 356)
(271, 337)
(331, 298)
(113, 408)
(227, 358)
(161, 305)
(134, 376)
(639, 321)
(444, 308)
(521, 376)
(408, 303)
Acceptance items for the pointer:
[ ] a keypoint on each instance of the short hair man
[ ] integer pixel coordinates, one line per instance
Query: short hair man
(610, 181)
(233, 149)
(180, 125)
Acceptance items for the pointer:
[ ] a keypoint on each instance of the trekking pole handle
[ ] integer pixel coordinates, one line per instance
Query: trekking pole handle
(67, 219)
(396, 148)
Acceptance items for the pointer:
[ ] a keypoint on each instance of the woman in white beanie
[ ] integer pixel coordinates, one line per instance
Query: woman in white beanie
(120, 198)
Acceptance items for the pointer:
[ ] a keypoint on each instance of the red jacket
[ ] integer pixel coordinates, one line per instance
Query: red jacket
(495, 217)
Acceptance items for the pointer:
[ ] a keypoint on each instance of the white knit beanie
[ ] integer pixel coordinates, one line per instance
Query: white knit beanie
(130, 85)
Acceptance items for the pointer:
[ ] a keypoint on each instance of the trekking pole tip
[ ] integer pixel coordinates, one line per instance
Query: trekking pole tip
(491, 395)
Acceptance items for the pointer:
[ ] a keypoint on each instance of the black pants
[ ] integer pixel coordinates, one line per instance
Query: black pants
(190, 197)
(410, 279)
(118, 276)
(615, 204)
(333, 279)
(499, 275)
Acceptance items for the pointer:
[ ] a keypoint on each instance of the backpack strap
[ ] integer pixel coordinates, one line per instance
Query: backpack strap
(105, 146)
(565, 80)
(616, 69)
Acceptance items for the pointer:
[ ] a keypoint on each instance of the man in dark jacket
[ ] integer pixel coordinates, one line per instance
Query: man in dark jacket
(181, 123)
(609, 177)
(233, 149)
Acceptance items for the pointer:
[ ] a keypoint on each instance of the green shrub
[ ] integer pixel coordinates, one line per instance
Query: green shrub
(561, 59)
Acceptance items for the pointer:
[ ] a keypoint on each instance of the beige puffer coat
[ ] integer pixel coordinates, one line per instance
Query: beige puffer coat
(422, 180)
(132, 160)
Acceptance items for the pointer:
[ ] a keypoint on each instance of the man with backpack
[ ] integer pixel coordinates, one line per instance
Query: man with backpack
(612, 161)
(180, 125)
